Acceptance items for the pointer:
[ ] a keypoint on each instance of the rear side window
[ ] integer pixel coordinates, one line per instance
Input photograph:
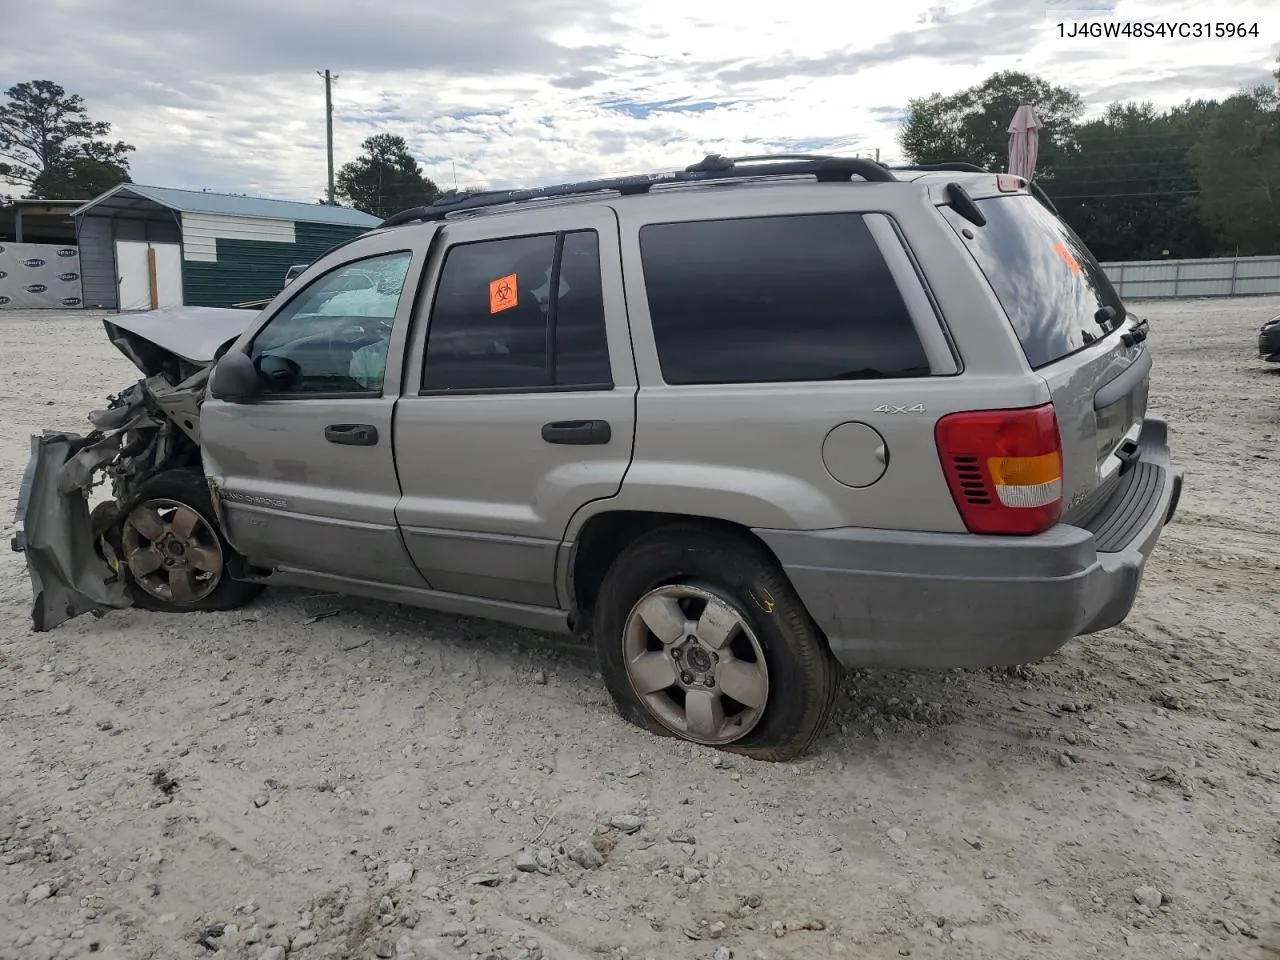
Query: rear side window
(776, 299)
(1043, 275)
(518, 314)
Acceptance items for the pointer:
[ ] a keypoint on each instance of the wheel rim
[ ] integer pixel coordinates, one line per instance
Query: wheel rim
(696, 663)
(173, 553)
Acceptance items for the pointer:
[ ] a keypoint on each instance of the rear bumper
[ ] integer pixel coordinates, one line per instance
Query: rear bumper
(894, 599)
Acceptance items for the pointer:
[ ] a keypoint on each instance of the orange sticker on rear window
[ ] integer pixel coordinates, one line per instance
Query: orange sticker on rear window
(1067, 257)
(502, 293)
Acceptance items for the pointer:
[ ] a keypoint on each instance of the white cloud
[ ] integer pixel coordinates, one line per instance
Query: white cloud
(224, 94)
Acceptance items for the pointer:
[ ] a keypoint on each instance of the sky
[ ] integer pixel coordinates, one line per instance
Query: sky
(224, 94)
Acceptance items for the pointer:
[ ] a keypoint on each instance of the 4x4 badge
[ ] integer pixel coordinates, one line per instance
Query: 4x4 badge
(894, 408)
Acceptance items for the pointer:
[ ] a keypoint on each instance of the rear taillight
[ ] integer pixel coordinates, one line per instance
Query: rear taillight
(1004, 468)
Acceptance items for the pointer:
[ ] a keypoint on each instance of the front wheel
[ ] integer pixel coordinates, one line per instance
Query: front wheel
(175, 556)
(701, 636)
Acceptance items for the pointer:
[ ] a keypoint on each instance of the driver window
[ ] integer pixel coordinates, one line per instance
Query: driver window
(333, 337)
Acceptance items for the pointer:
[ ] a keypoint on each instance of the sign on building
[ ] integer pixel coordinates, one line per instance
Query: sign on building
(39, 275)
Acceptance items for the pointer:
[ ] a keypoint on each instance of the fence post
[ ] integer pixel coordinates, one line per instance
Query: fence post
(1177, 277)
(1235, 267)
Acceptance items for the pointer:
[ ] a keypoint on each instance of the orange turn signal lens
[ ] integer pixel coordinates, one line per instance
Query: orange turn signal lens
(1027, 482)
(1025, 471)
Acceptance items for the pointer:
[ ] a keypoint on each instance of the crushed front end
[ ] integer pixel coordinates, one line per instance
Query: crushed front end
(73, 551)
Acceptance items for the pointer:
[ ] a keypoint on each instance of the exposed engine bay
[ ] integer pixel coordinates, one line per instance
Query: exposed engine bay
(74, 553)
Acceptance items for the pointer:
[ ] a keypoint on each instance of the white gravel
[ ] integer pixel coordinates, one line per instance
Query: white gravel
(993, 814)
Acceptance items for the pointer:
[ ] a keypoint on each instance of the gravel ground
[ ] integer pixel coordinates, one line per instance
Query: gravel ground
(322, 777)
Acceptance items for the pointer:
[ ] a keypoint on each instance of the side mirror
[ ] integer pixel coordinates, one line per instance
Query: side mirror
(235, 378)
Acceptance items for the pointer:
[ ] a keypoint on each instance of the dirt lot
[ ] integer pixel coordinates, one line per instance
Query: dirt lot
(325, 777)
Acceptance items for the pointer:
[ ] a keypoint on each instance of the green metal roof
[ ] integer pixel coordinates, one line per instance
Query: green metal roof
(130, 196)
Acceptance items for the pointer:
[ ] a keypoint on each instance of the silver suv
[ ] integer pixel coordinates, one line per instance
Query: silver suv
(743, 423)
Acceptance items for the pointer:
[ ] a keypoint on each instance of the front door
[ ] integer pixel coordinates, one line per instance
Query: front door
(519, 399)
(306, 472)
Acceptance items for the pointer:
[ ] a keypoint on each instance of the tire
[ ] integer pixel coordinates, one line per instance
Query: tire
(692, 564)
(165, 497)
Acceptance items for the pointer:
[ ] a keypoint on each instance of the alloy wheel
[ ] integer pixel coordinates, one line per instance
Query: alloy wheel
(694, 660)
(172, 551)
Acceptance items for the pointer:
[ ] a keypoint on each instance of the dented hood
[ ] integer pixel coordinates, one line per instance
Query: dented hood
(193, 335)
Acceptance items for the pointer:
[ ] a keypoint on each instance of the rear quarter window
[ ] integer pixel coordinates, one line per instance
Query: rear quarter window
(1044, 276)
(776, 299)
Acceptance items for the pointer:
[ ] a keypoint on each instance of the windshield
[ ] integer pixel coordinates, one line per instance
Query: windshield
(1044, 276)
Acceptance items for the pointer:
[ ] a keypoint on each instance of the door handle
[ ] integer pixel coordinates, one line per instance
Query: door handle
(577, 432)
(352, 434)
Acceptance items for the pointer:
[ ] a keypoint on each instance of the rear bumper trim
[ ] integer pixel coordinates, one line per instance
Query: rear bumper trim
(895, 599)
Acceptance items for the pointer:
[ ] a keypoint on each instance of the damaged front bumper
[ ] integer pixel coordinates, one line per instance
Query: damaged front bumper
(72, 562)
(68, 575)
(72, 556)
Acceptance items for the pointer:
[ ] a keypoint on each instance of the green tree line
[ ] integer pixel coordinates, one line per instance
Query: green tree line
(1199, 180)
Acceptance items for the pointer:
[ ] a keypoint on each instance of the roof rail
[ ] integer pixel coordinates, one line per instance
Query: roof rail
(712, 167)
(956, 165)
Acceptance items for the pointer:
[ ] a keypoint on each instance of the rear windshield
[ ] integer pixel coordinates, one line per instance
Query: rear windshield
(1044, 276)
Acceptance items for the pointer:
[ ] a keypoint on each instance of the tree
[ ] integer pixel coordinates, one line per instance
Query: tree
(385, 179)
(1128, 187)
(50, 147)
(1237, 164)
(973, 125)
(1199, 180)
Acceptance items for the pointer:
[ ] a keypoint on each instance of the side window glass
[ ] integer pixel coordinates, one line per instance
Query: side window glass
(776, 299)
(581, 344)
(497, 324)
(333, 337)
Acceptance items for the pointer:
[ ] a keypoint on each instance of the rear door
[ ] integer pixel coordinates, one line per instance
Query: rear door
(1070, 322)
(519, 401)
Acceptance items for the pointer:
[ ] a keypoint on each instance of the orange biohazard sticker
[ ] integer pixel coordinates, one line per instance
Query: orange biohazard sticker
(502, 293)
(1067, 257)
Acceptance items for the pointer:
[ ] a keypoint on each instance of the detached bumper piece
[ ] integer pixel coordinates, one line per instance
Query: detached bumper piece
(68, 576)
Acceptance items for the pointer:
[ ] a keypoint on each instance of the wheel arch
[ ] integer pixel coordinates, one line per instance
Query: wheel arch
(605, 535)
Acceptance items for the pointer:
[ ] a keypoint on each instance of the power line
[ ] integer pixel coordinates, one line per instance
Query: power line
(1111, 196)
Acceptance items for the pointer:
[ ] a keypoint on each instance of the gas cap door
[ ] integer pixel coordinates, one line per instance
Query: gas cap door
(855, 454)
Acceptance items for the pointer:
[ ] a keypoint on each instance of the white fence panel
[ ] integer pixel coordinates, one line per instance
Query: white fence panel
(1217, 277)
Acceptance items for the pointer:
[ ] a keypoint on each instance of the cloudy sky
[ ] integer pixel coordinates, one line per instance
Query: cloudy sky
(223, 94)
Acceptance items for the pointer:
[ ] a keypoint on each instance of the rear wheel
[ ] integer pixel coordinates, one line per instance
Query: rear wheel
(701, 636)
(175, 557)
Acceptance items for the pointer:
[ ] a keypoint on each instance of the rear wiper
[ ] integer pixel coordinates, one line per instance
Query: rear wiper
(963, 204)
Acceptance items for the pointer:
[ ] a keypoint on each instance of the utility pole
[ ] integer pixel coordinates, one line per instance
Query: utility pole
(328, 124)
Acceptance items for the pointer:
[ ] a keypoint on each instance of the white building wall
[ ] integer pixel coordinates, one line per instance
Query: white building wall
(200, 230)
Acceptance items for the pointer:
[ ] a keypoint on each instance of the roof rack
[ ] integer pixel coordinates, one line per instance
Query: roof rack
(712, 167)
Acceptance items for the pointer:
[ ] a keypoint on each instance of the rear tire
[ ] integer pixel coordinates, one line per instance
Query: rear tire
(173, 553)
(728, 622)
